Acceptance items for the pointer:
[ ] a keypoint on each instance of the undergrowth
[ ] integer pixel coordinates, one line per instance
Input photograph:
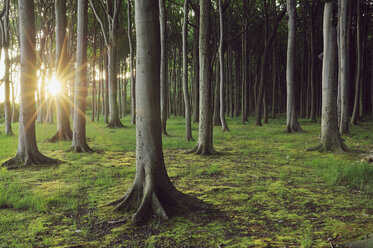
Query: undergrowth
(264, 188)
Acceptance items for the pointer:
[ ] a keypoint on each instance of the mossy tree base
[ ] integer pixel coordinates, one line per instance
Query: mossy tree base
(204, 150)
(29, 159)
(61, 136)
(154, 194)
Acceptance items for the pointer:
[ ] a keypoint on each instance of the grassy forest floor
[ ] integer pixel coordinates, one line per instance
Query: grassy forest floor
(265, 189)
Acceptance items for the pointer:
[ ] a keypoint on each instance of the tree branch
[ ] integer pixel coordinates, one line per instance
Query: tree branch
(100, 21)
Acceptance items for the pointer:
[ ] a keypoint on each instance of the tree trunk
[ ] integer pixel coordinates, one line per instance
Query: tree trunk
(205, 138)
(196, 72)
(99, 88)
(221, 67)
(274, 82)
(28, 152)
(292, 124)
(5, 30)
(343, 70)
(244, 98)
(79, 143)
(163, 30)
(355, 113)
(152, 191)
(216, 115)
(133, 82)
(330, 138)
(106, 99)
(188, 127)
(63, 124)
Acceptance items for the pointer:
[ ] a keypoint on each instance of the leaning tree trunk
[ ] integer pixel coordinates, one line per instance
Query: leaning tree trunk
(344, 72)
(79, 143)
(8, 113)
(133, 82)
(188, 127)
(292, 124)
(221, 66)
(205, 138)
(162, 19)
(355, 113)
(152, 191)
(28, 152)
(63, 123)
(330, 138)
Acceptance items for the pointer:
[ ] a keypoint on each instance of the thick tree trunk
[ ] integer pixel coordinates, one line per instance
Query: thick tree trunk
(28, 152)
(344, 65)
(163, 30)
(152, 191)
(79, 143)
(188, 126)
(330, 138)
(205, 137)
(63, 124)
(133, 82)
(292, 124)
(355, 113)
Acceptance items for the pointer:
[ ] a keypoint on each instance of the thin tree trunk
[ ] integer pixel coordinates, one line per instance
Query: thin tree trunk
(216, 115)
(196, 72)
(133, 88)
(292, 124)
(79, 142)
(343, 70)
(188, 127)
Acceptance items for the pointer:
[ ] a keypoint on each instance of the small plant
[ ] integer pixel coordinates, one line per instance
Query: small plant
(306, 241)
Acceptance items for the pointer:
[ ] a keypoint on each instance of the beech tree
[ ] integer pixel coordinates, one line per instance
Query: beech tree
(188, 127)
(330, 138)
(109, 34)
(5, 46)
(132, 77)
(152, 191)
(164, 62)
(63, 123)
(27, 152)
(205, 138)
(292, 124)
(79, 143)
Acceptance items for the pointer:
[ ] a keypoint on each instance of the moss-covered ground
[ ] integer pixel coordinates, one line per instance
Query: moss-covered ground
(264, 188)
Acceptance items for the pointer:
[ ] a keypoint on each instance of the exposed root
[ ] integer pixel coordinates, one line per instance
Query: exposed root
(189, 138)
(81, 147)
(225, 129)
(203, 150)
(159, 201)
(59, 136)
(341, 147)
(28, 159)
(115, 123)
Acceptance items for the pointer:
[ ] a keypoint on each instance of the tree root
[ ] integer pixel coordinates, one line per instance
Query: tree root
(59, 136)
(29, 159)
(81, 147)
(115, 123)
(341, 147)
(203, 150)
(160, 201)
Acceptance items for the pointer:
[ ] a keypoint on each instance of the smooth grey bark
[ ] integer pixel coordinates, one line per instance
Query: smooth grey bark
(5, 47)
(133, 82)
(79, 142)
(110, 37)
(27, 152)
(188, 125)
(152, 191)
(63, 123)
(216, 115)
(221, 66)
(163, 30)
(330, 137)
(344, 65)
(292, 124)
(205, 137)
(196, 71)
(355, 112)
